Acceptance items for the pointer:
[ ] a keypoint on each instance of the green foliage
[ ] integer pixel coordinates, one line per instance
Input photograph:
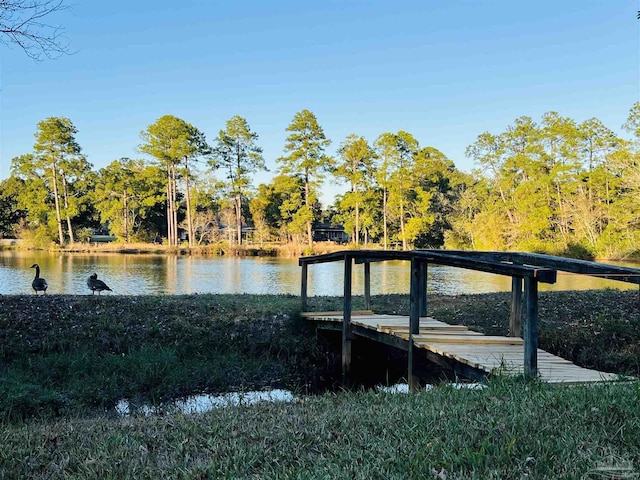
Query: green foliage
(306, 161)
(557, 187)
(356, 168)
(306, 144)
(580, 251)
(57, 180)
(171, 140)
(553, 185)
(422, 220)
(10, 212)
(632, 124)
(128, 196)
(240, 156)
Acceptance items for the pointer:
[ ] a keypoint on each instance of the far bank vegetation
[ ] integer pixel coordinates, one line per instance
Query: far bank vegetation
(553, 185)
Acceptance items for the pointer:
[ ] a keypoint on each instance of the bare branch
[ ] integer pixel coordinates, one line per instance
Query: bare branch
(22, 24)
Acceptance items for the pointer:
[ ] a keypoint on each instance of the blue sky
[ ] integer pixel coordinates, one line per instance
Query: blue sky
(444, 70)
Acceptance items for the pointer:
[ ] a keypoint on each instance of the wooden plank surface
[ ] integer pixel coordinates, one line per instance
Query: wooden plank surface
(483, 352)
(337, 313)
(466, 339)
(399, 331)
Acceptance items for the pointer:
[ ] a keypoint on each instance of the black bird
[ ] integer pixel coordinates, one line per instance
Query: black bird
(96, 285)
(39, 284)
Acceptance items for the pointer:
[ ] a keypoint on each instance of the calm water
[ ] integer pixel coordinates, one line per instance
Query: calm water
(129, 274)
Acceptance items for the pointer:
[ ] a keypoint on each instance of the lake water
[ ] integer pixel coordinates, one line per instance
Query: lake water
(132, 274)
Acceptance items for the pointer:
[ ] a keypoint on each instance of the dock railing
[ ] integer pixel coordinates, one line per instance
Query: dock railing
(568, 265)
(419, 261)
(525, 269)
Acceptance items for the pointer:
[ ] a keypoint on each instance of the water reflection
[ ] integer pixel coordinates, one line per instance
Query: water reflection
(205, 403)
(132, 274)
(404, 387)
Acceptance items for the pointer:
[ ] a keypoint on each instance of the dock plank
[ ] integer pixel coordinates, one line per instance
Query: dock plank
(332, 314)
(466, 339)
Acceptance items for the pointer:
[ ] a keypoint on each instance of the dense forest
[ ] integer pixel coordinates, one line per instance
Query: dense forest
(554, 186)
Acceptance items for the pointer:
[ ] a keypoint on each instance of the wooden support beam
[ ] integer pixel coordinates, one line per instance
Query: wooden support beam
(415, 295)
(346, 321)
(414, 382)
(303, 288)
(531, 327)
(515, 315)
(423, 288)
(367, 286)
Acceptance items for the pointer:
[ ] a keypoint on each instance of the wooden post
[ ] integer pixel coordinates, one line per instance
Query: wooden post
(414, 317)
(515, 315)
(423, 288)
(415, 297)
(531, 327)
(346, 321)
(367, 285)
(303, 288)
(413, 380)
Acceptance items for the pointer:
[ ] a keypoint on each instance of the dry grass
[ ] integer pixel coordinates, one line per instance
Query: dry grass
(272, 249)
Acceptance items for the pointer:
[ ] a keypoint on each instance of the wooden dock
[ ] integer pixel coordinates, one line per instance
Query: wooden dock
(467, 353)
(485, 354)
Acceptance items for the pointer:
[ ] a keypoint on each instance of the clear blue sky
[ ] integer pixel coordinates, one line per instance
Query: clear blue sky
(444, 70)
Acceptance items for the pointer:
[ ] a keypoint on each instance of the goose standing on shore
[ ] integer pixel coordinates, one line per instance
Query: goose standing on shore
(96, 285)
(39, 284)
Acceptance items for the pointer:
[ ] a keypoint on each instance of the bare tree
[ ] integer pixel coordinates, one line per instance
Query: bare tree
(22, 23)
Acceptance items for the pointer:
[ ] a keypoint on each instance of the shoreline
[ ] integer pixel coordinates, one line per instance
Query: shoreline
(219, 249)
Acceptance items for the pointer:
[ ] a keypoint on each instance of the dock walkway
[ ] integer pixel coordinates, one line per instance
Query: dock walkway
(487, 354)
(466, 352)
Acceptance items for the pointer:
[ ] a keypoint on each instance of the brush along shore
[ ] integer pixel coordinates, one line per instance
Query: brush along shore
(65, 361)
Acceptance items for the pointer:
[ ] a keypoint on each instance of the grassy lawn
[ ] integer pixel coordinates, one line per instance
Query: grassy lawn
(66, 360)
(508, 430)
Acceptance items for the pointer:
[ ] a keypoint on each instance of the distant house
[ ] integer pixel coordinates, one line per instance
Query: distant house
(324, 232)
(102, 236)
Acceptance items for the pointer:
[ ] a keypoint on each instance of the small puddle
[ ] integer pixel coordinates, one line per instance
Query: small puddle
(205, 403)
(404, 387)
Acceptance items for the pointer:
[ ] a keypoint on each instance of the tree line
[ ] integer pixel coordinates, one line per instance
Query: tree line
(555, 186)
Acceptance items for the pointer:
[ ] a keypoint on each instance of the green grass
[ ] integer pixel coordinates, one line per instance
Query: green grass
(61, 354)
(66, 360)
(508, 430)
